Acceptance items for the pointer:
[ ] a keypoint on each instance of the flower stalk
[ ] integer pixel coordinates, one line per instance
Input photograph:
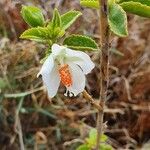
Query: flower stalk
(104, 65)
(90, 100)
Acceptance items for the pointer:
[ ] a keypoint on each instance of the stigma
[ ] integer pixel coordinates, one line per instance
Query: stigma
(65, 75)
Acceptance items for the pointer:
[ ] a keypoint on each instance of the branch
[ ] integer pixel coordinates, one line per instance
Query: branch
(104, 65)
(89, 99)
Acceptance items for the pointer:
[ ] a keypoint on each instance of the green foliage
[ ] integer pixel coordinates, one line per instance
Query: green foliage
(118, 20)
(83, 147)
(33, 16)
(69, 18)
(144, 2)
(39, 34)
(90, 142)
(51, 32)
(90, 3)
(56, 20)
(94, 3)
(138, 8)
(55, 29)
(80, 42)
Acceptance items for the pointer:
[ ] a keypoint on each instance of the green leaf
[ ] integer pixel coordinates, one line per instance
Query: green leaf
(94, 3)
(33, 16)
(56, 20)
(118, 20)
(69, 18)
(93, 133)
(104, 146)
(83, 147)
(39, 34)
(91, 140)
(55, 27)
(80, 42)
(104, 138)
(137, 8)
(144, 2)
(90, 3)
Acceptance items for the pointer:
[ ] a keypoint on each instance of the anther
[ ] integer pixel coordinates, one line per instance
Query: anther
(65, 75)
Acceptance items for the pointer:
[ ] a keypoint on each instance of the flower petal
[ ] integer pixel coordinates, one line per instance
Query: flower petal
(51, 82)
(57, 50)
(78, 79)
(84, 60)
(50, 76)
(47, 66)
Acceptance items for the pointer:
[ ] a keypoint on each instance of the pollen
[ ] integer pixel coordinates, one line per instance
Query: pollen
(65, 75)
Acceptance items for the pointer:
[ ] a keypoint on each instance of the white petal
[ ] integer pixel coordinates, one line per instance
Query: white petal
(78, 79)
(47, 66)
(50, 76)
(51, 81)
(85, 61)
(57, 50)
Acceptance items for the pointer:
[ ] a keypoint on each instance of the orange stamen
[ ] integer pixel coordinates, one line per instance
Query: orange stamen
(65, 75)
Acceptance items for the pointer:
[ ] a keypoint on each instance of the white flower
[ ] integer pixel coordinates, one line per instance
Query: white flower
(68, 67)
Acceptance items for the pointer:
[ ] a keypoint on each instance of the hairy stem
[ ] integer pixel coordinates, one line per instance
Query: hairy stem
(104, 65)
(89, 99)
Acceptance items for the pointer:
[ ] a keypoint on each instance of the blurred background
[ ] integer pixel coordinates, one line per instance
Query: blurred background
(60, 123)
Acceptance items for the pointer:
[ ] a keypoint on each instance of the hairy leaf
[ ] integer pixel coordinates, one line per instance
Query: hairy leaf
(117, 20)
(94, 3)
(69, 18)
(90, 3)
(83, 147)
(104, 146)
(144, 2)
(80, 42)
(56, 20)
(33, 16)
(36, 34)
(137, 8)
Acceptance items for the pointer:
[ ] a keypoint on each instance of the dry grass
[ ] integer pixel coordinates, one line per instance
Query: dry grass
(54, 124)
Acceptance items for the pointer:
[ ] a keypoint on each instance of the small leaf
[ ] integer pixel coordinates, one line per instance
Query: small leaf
(117, 20)
(104, 138)
(33, 16)
(104, 146)
(90, 3)
(91, 141)
(93, 134)
(36, 34)
(80, 42)
(83, 147)
(137, 8)
(57, 32)
(69, 18)
(56, 20)
(144, 2)
(93, 3)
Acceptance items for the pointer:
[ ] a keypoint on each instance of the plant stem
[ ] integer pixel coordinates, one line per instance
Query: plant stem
(89, 99)
(18, 127)
(104, 65)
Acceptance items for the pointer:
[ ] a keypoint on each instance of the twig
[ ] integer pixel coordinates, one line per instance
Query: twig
(104, 65)
(17, 95)
(19, 132)
(18, 127)
(89, 99)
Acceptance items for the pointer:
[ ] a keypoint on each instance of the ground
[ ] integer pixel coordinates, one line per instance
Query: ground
(60, 122)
